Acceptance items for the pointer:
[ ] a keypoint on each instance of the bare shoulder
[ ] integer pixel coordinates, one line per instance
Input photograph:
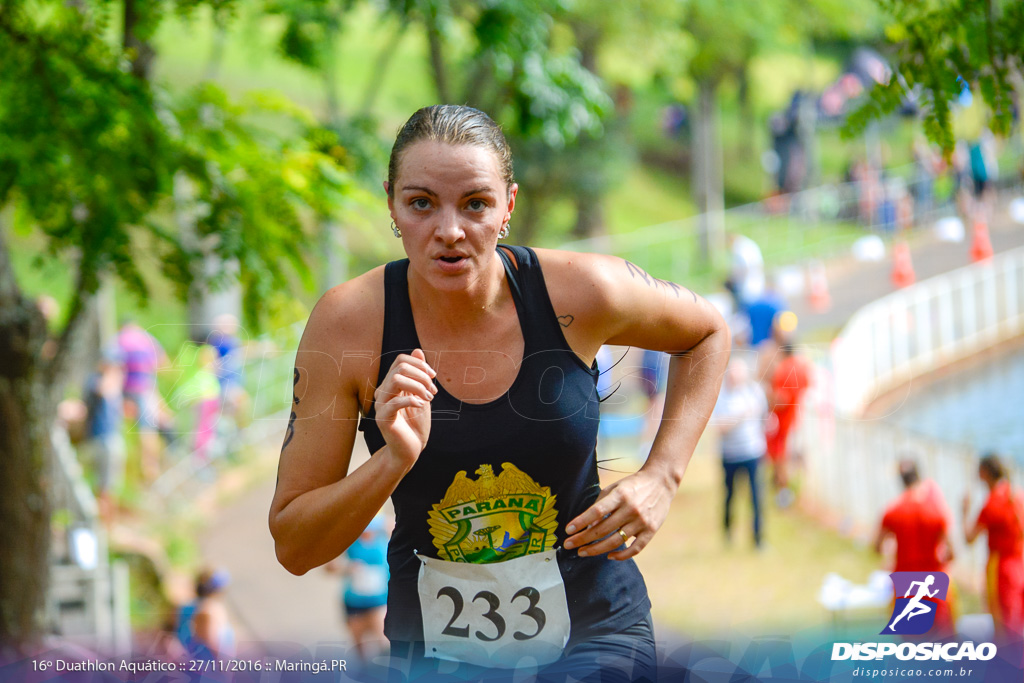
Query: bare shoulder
(577, 278)
(345, 328)
(583, 292)
(610, 300)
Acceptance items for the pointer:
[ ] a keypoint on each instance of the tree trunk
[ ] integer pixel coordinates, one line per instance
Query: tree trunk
(589, 192)
(748, 124)
(436, 42)
(589, 215)
(526, 220)
(330, 81)
(24, 461)
(143, 52)
(707, 174)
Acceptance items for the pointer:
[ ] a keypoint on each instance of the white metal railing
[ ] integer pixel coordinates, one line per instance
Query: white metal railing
(850, 461)
(88, 598)
(927, 326)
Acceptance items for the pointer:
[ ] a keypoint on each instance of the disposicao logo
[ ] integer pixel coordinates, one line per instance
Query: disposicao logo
(917, 599)
(914, 613)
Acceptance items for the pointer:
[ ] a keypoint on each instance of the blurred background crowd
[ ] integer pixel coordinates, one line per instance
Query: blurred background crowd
(181, 180)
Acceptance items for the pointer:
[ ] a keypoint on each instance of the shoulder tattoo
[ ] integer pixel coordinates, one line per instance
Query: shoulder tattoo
(636, 272)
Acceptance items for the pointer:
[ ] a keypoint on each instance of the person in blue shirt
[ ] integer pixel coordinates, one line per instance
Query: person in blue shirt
(364, 587)
(104, 420)
(204, 627)
(762, 312)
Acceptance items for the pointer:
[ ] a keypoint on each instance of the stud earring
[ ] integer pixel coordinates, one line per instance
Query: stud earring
(503, 233)
(395, 229)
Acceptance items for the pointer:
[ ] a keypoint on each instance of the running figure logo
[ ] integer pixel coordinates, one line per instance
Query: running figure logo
(914, 613)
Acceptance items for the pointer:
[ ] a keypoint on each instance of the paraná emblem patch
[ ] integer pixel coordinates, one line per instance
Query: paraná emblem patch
(494, 517)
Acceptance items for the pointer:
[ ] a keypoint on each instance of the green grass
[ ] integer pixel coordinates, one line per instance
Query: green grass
(252, 61)
(648, 196)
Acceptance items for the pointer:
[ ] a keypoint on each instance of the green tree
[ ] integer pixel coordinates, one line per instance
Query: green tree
(522, 67)
(726, 36)
(943, 46)
(89, 153)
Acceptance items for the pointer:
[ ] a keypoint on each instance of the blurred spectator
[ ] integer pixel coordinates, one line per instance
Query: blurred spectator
(142, 356)
(1002, 517)
(918, 522)
(762, 312)
(230, 363)
(926, 167)
(675, 121)
(790, 379)
(202, 391)
(50, 309)
(984, 171)
(364, 587)
(746, 270)
(868, 187)
(104, 444)
(963, 183)
(740, 415)
(204, 627)
(785, 132)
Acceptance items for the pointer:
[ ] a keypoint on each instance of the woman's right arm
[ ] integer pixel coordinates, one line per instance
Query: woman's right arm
(319, 507)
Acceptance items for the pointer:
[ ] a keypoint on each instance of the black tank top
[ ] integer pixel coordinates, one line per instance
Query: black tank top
(502, 479)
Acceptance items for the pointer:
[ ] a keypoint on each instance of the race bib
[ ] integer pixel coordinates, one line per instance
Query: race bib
(504, 614)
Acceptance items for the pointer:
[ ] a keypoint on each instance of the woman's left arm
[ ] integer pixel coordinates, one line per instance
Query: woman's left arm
(616, 302)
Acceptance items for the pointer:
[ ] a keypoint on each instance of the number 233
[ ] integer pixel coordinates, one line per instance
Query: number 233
(458, 602)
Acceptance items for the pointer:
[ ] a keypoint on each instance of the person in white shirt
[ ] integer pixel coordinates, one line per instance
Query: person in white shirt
(740, 415)
(746, 270)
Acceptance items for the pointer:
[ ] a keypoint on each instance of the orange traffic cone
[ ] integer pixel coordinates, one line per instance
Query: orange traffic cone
(902, 266)
(981, 245)
(817, 289)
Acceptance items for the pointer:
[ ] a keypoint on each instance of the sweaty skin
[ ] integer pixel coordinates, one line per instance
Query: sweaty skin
(450, 203)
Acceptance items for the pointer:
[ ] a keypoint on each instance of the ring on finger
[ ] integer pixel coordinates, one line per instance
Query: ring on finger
(625, 538)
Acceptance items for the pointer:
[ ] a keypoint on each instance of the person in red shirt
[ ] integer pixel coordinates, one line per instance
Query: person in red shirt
(918, 520)
(1003, 518)
(789, 380)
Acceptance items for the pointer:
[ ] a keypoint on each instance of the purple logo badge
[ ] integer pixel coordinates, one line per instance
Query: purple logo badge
(917, 598)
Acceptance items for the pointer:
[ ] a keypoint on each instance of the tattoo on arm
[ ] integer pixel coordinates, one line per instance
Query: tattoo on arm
(636, 271)
(565, 320)
(289, 433)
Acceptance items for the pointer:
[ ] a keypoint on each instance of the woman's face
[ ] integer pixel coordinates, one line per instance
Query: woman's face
(450, 201)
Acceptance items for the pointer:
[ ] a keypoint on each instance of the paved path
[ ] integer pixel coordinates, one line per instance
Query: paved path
(854, 284)
(268, 603)
(272, 605)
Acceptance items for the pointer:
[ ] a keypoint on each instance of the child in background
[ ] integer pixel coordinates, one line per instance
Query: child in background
(364, 587)
(202, 390)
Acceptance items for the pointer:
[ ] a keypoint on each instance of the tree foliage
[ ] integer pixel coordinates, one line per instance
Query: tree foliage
(95, 157)
(93, 152)
(81, 143)
(943, 47)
